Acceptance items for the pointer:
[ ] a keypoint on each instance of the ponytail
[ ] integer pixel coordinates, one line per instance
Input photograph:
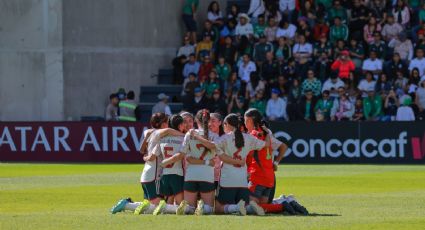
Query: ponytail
(233, 120)
(203, 117)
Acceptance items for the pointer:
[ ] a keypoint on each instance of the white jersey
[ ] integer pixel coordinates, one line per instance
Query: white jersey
(151, 171)
(233, 175)
(194, 148)
(169, 146)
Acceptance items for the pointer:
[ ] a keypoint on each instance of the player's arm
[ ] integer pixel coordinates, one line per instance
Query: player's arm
(149, 157)
(144, 146)
(196, 161)
(229, 160)
(207, 143)
(169, 132)
(156, 151)
(282, 149)
(173, 159)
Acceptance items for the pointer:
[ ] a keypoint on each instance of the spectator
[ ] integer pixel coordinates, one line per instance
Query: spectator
(303, 28)
(234, 12)
(400, 83)
(244, 28)
(259, 27)
(254, 85)
(401, 13)
(391, 29)
(178, 67)
(322, 47)
(320, 29)
(246, 67)
(286, 30)
(190, 8)
(205, 47)
(367, 85)
(372, 106)
(383, 86)
(343, 65)
(214, 14)
(294, 97)
(287, 8)
(256, 8)
(272, 11)
(418, 62)
(311, 84)
(283, 50)
(217, 103)
(359, 15)
(343, 110)
(260, 50)
(212, 31)
(332, 85)
(306, 107)
(373, 65)
(337, 11)
(223, 70)
(162, 106)
(323, 106)
(402, 46)
(276, 107)
(192, 66)
(111, 113)
(282, 84)
(121, 94)
(370, 29)
(269, 69)
(211, 84)
(127, 108)
(270, 30)
(390, 106)
(236, 104)
(302, 50)
(379, 46)
(378, 9)
(191, 85)
(228, 51)
(228, 29)
(205, 69)
(356, 53)
(258, 102)
(393, 66)
(198, 102)
(233, 85)
(405, 112)
(187, 49)
(308, 12)
(358, 110)
(338, 31)
(420, 98)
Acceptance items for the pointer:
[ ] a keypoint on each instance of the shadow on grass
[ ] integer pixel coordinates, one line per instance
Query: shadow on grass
(322, 214)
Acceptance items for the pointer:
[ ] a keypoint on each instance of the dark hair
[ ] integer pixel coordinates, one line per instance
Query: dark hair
(157, 119)
(112, 96)
(233, 120)
(203, 117)
(210, 7)
(175, 121)
(257, 118)
(130, 95)
(220, 118)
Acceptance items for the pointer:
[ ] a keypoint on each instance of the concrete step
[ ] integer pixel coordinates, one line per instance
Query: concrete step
(165, 76)
(149, 94)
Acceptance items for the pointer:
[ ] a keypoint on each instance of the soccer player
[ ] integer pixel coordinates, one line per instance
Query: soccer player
(199, 178)
(215, 125)
(233, 193)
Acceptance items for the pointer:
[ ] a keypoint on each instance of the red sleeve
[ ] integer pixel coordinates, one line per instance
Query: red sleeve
(335, 65)
(352, 66)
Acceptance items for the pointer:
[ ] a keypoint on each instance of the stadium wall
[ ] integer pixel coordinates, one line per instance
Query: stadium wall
(60, 59)
(343, 142)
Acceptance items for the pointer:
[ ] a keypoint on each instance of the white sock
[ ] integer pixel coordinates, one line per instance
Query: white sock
(189, 210)
(132, 206)
(150, 209)
(231, 208)
(170, 209)
(250, 210)
(208, 209)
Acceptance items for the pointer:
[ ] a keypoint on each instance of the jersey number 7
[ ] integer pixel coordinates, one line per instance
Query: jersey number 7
(202, 149)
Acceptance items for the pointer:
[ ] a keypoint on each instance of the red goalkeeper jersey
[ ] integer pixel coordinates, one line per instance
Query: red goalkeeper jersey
(262, 172)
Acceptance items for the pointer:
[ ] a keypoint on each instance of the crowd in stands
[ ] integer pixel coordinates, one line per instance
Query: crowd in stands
(313, 60)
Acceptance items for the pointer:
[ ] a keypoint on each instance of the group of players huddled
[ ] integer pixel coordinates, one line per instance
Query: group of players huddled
(222, 167)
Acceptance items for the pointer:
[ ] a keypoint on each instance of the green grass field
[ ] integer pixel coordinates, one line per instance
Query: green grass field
(70, 196)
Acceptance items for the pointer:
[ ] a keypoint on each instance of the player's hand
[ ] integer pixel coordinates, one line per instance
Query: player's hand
(275, 167)
(192, 133)
(145, 157)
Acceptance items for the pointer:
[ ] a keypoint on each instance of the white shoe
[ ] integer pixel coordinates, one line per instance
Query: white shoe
(259, 210)
(242, 209)
(182, 208)
(200, 208)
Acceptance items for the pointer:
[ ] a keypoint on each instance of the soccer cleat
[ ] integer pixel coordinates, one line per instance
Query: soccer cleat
(159, 208)
(182, 208)
(258, 210)
(288, 208)
(120, 205)
(242, 208)
(200, 208)
(297, 206)
(142, 207)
